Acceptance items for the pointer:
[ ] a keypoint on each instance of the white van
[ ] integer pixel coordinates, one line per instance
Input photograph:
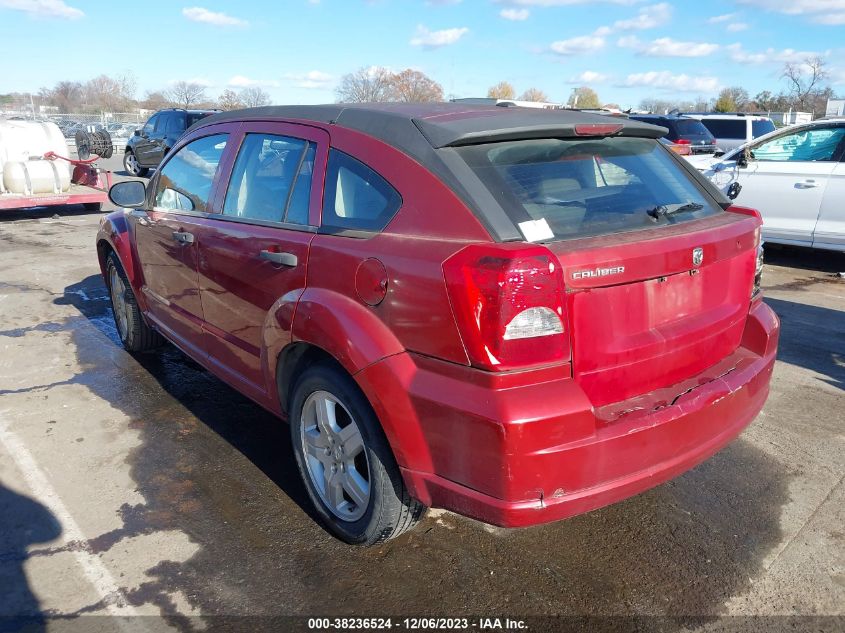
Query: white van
(734, 129)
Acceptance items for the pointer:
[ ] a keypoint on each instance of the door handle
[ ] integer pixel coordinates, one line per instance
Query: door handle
(807, 184)
(284, 259)
(183, 238)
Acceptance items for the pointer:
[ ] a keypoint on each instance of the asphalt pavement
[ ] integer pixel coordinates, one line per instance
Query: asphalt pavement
(143, 485)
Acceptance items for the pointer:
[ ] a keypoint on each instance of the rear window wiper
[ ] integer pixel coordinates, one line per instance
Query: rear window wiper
(664, 210)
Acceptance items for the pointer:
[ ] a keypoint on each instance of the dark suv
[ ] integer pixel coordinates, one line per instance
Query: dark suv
(682, 131)
(146, 148)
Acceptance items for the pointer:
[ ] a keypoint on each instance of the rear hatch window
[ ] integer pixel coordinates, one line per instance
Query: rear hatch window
(691, 129)
(558, 189)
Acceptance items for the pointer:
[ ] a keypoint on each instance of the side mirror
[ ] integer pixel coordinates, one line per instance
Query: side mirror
(137, 133)
(131, 194)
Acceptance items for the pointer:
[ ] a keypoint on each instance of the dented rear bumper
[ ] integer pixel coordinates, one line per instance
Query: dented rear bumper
(521, 450)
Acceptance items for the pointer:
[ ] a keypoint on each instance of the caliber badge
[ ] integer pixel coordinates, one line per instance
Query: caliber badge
(697, 256)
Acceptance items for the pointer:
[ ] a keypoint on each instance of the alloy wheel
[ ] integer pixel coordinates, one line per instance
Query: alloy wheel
(335, 456)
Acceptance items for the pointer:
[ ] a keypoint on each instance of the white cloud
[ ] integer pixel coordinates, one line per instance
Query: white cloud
(436, 39)
(770, 55)
(312, 80)
(562, 3)
(831, 12)
(239, 81)
(578, 45)
(718, 19)
(736, 27)
(588, 77)
(516, 15)
(43, 8)
(837, 76)
(199, 14)
(665, 80)
(667, 47)
(649, 17)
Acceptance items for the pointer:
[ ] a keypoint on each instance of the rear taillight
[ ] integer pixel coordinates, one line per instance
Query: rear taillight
(758, 245)
(509, 305)
(683, 141)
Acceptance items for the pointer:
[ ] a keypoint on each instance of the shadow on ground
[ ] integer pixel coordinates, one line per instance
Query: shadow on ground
(219, 468)
(805, 258)
(23, 522)
(812, 337)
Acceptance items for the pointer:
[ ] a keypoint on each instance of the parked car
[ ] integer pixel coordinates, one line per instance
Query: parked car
(795, 176)
(682, 131)
(147, 146)
(518, 315)
(733, 129)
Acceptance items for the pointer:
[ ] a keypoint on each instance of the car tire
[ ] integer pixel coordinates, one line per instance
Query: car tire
(132, 329)
(352, 452)
(132, 166)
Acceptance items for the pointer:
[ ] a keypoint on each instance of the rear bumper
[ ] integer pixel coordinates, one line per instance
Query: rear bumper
(526, 449)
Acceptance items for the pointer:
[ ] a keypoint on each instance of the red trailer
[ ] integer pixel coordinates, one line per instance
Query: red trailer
(36, 169)
(89, 186)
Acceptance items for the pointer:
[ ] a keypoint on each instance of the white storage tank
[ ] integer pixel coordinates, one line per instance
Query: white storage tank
(22, 168)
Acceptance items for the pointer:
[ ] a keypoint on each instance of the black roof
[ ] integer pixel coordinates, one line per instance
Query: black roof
(423, 131)
(440, 124)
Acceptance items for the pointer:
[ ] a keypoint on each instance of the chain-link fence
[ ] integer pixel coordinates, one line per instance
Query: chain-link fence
(119, 125)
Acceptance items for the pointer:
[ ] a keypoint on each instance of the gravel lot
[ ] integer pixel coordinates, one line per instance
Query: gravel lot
(146, 486)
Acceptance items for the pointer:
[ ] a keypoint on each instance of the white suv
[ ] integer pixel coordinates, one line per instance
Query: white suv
(733, 130)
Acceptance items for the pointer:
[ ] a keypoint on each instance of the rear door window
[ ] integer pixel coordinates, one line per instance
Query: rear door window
(271, 179)
(175, 123)
(185, 181)
(577, 187)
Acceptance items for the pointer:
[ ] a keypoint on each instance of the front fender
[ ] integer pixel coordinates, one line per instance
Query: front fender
(348, 330)
(115, 231)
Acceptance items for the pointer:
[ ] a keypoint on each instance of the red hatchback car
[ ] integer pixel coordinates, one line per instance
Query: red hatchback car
(518, 315)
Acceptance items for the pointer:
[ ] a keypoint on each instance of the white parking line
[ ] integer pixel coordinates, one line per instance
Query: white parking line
(93, 568)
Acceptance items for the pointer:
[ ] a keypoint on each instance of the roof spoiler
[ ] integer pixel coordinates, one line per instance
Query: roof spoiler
(441, 134)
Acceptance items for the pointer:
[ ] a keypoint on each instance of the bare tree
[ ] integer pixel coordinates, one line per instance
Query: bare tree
(535, 94)
(502, 90)
(584, 97)
(186, 93)
(365, 85)
(731, 99)
(155, 100)
(413, 86)
(229, 100)
(253, 97)
(65, 95)
(110, 94)
(803, 79)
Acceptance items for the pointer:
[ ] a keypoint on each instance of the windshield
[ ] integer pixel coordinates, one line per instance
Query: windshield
(555, 189)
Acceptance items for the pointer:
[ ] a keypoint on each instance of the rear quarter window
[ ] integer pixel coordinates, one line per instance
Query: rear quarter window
(356, 197)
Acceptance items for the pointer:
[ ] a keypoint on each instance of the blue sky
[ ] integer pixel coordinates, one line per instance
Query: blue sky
(297, 49)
